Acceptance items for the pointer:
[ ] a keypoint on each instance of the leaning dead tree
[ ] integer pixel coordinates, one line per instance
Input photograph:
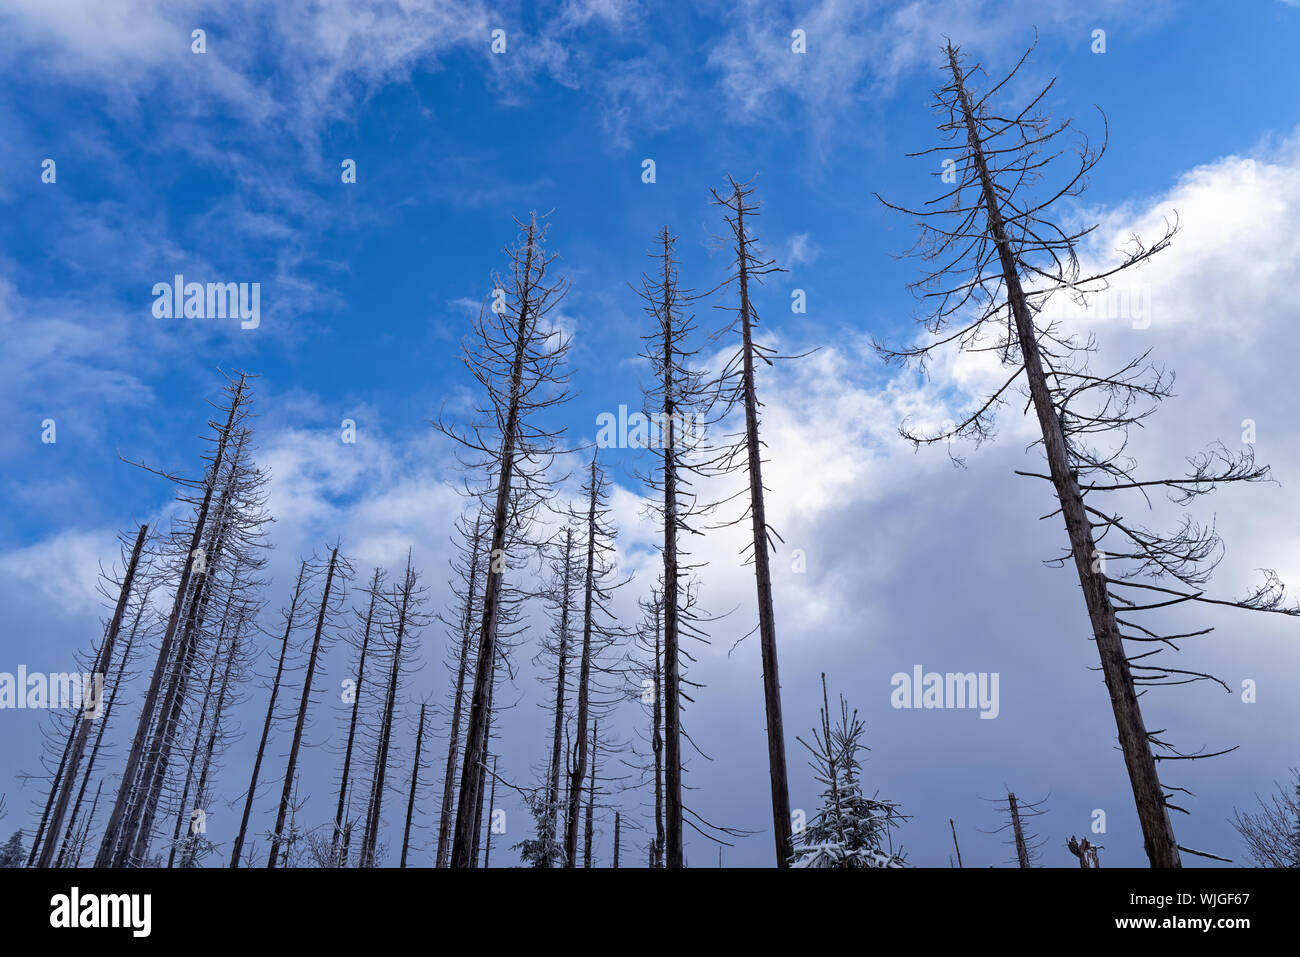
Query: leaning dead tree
(516, 355)
(71, 849)
(195, 845)
(225, 528)
(738, 390)
(88, 712)
(999, 255)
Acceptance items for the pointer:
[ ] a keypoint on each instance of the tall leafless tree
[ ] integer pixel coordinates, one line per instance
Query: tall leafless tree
(998, 257)
(337, 574)
(297, 604)
(516, 355)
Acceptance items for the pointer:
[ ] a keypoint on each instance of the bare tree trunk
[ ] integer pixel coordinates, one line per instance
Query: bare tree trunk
(657, 745)
(553, 777)
(386, 727)
(478, 811)
(954, 841)
(302, 713)
(126, 790)
(1157, 829)
(584, 675)
(415, 777)
(141, 818)
(672, 713)
(352, 726)
(462, 852)
(182, 808)
(56, 782)
(103, 661)
(70, 838)
(289, 773)
(617, 837)
(762, 571)
(591, 799)
(270, 715)
(466, 641)
(492, 801)
(189, 857)
(1022, 852)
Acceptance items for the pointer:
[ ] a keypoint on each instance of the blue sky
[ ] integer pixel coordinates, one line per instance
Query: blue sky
(225, 166)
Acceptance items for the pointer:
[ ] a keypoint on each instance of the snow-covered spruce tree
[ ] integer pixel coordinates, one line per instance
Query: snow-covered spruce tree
(516, 355)
(850, 830)
(999, 246)
(544, 850)
(11, 854)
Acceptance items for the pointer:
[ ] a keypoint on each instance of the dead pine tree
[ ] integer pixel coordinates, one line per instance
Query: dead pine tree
(208, 534)
(415, 778)
(367, 624)
(182, 810)
(234, 540)
(491, 806)
(738, 388)
(516, 356)
(467, 569)
(646, 670)
(589, 831)
(599, 633)
(236, 662)
(337, 574)
(296, 606)
(999, 257)
(404, 622)
(1024, 842)
(552, 658)
(1085, 851)
(70, 840)
(677, 403)
(87, 716)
